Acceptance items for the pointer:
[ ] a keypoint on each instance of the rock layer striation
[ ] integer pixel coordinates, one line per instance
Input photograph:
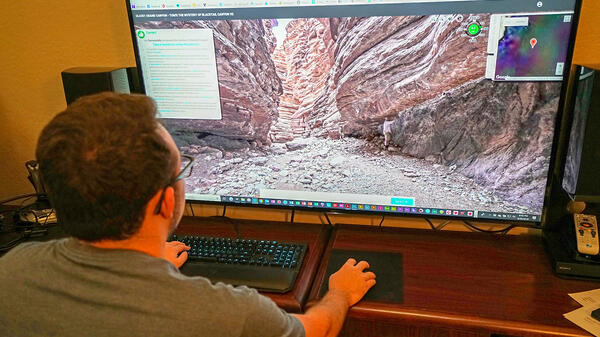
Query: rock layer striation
(248, 84)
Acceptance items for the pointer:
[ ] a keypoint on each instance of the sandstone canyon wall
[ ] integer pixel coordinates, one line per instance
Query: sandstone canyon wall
(384, 65)
(248, 85)
(497, 133)
(333, 77)
(303, 63)
(347, 74)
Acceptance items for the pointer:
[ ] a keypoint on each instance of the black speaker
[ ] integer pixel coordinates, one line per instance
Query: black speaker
(582, 164)
(83, 81)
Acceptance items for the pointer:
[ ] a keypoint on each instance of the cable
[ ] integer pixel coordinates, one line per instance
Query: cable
(48, 216)
(442, 225)
(222, 214)
(499, 231)
(431, 224)
(438, 227)
(34, 227)
(28, 196)
(191, 208)
(292, 218)
(381, 222)
(327, 217)
(22, 206)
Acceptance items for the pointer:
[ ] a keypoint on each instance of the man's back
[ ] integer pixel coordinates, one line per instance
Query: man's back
(114, 177)
(69, 288)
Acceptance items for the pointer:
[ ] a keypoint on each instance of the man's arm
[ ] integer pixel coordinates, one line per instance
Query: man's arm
(346, 287)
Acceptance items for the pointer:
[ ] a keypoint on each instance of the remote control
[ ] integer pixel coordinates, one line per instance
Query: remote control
(586, 233)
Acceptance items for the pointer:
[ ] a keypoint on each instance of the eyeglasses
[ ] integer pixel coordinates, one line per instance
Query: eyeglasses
(187, 169)
(185, 172)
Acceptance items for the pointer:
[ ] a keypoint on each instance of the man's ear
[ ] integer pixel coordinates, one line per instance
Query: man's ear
(168, 203)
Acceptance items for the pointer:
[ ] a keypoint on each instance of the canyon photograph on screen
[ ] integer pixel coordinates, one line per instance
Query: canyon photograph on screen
(304, 102)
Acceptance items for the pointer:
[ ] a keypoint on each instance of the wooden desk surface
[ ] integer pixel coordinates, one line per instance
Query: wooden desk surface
(314, 235)
(472, 282)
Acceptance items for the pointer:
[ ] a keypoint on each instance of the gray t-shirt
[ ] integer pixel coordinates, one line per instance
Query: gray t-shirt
(68, 288)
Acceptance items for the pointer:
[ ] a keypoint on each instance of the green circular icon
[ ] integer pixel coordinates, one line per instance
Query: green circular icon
(474, 29)
(141, 34)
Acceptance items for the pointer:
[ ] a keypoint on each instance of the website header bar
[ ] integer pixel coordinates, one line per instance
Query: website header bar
(449, 7)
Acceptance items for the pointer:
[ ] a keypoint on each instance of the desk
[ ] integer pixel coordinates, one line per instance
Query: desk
(314, 235)
(461, 284)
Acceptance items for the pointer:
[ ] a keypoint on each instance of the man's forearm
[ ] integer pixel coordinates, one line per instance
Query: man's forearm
(329, 313)
(346, 287)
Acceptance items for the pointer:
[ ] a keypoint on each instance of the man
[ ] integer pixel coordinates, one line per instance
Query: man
(113, 177)
(387, 131)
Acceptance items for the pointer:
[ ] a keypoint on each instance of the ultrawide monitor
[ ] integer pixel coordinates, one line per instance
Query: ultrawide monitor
(442, 108)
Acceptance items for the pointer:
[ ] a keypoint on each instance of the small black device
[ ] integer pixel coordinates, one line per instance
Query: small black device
(262, 264)
(82, 81)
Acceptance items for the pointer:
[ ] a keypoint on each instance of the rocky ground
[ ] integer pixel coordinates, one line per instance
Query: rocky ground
(346, 165)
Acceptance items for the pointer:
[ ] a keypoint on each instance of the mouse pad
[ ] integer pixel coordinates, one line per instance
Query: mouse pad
(386, 266)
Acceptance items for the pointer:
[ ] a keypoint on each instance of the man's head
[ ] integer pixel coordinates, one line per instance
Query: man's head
(103, 159)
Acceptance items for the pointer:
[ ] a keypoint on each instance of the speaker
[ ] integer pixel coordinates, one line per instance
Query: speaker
(82, 81)
(582, 163)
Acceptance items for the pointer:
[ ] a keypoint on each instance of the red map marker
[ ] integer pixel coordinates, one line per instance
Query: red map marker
(533, 42)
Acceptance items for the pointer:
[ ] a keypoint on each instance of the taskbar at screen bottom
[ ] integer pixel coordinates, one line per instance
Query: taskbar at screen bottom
(344, 206)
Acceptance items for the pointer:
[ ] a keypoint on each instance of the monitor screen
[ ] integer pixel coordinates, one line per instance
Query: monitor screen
(426, 107)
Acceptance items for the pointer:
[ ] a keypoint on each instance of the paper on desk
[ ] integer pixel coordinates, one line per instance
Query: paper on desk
(587, 298)
(583, 318)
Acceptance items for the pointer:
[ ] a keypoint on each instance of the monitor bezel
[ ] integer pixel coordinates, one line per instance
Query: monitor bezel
(553, 174)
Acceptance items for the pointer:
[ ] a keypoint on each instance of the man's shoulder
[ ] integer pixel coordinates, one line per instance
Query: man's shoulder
(30, 249)
(26, 256)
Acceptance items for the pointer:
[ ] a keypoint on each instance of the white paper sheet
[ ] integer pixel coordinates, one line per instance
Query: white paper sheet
(582, 317)
(588, 298)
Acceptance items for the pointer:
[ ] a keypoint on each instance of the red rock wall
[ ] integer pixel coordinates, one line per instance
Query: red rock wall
(248, 83)
(303, 63)
(430, 79)
(384, 65)
(498, 133)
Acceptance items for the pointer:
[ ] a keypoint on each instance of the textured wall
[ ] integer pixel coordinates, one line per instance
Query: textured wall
(38, 40)
(587, 47)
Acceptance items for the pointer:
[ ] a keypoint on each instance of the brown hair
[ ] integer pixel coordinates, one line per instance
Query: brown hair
(102, 160)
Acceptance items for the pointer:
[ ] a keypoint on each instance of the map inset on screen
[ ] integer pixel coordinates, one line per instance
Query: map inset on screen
(528, 47)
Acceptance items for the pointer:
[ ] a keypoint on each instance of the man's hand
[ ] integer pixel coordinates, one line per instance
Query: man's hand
(172, 249)
(346, 287)
(352, 281)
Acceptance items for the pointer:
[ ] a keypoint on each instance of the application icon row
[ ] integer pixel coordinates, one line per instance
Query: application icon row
(348, 206)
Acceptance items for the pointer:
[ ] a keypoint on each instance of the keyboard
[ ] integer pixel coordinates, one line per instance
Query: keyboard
(262, 264)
